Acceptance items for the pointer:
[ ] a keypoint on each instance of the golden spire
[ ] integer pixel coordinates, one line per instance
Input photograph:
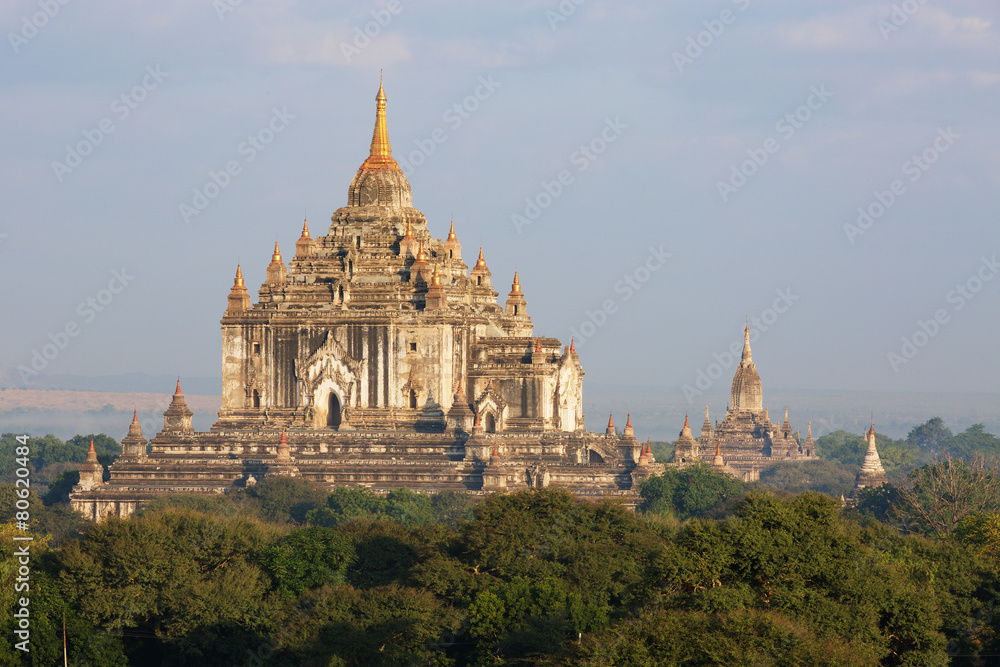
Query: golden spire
(305, 228)
(239, 277)
(451, 232)
(516, 287)
(92, 453)
(481, 261)
(409, 230)
(436, 278)
(421, 257)
(380, 156)
(276, 257)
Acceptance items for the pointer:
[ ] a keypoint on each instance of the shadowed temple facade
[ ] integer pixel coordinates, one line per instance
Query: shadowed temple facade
(377, 357)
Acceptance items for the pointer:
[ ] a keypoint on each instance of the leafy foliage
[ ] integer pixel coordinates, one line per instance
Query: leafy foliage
(692, 491)
(400, 505)
(533, 577)
(823, 476)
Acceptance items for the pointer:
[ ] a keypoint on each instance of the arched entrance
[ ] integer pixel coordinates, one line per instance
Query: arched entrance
(413, 400)
(256, 398)
(490, 424)
(333, 411)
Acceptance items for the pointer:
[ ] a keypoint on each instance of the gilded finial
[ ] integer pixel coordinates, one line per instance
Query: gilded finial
(409, 230)
(436, 278)
(276, 257)
(305, 228)
(481, 262)
(420, 253)
(380, 155)
(239, 276)
(516, 287)
(451, 232)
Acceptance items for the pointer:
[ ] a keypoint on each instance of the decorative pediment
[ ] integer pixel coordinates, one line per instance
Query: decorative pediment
(330, 362)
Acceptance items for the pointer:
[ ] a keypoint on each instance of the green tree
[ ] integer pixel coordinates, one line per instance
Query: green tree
(691, 491)
(187, 579)
(932, 436)
(307, 558)
(823, 476)
(975, 440)
(345, 504)
(285, 499)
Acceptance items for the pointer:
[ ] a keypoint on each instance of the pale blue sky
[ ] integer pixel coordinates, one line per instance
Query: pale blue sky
(667, 121)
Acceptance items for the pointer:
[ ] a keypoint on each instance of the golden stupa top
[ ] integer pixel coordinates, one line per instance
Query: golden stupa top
(276, 257)
(481, 262)
(380, 156)
(451, 233)
(516, 287)
(239, 277)
(305, 228)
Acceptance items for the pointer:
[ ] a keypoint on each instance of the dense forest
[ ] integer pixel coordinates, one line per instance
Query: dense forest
(707, 570)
